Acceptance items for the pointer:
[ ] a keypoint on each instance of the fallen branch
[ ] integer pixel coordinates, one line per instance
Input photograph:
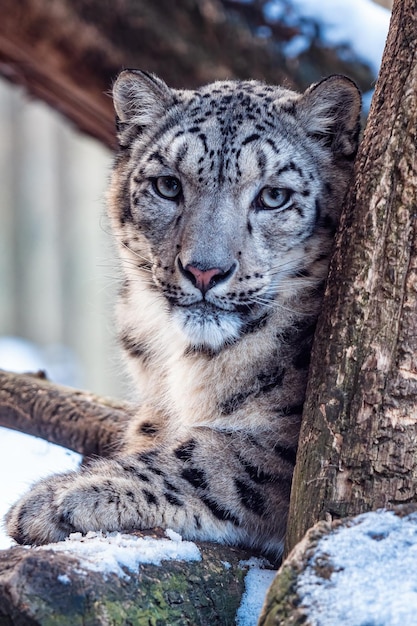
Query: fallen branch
(78, 420)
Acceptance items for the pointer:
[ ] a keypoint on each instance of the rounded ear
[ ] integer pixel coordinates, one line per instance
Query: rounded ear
(331, 110)
(140, 98)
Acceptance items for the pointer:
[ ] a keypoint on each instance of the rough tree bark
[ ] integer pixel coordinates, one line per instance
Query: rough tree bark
(68, 52)
(358, 440)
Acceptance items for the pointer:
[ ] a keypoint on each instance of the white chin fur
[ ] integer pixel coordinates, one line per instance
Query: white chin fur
(208, 329)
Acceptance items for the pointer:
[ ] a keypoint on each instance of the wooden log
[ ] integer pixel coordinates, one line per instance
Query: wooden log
(50, 586)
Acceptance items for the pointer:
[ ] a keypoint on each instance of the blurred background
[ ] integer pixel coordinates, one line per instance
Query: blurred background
(57, 266)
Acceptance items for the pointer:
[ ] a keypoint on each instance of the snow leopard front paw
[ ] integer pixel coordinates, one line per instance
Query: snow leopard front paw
(69, 503)
(35, 518)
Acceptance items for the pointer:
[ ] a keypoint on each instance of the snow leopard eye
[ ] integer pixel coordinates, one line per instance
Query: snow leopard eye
(167, 187)
(274, 197)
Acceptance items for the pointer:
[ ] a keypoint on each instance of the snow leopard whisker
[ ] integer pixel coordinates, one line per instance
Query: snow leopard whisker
(273, 304)
(139, 256)
(294, 265)
(136, 266)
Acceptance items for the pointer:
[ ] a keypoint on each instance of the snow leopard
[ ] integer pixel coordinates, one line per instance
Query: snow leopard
(223, 201)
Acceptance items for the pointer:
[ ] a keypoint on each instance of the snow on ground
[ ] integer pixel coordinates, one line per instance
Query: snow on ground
(257, 581)
(25, 459)
(374, 574)
(60, 362)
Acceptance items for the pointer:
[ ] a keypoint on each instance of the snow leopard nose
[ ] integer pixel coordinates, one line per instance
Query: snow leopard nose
(205, 279)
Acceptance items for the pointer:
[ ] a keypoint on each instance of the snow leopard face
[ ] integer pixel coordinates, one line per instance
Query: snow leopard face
(225, 199)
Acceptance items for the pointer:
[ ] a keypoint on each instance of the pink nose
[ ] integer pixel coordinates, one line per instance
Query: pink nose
(203, 279)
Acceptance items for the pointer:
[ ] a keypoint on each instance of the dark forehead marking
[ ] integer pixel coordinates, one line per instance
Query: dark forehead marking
(156, 156)
(182, 151)
(262, 160)
(273, 145)
(251, 138)
(228, 107)
(203, 138)
(252, 98)
(291, 166)
(170, 123)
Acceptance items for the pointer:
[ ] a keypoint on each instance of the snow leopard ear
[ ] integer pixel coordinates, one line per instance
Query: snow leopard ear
(330, 110)
(139, 98)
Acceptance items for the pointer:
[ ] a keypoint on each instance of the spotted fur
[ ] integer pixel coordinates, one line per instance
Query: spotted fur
(223, 201)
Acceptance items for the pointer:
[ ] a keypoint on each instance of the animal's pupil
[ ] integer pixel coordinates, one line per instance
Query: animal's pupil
(277, 195)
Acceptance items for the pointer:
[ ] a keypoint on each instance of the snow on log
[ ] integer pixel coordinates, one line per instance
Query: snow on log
(360, 570)
(141, 578)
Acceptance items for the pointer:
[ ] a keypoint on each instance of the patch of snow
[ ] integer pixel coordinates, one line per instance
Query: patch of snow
(257, 582)
(19, 355)
(25, 459)
(372, 568)
(58, 361)
(171, 534)
(255, 561)
(64, 579)
(113, 553)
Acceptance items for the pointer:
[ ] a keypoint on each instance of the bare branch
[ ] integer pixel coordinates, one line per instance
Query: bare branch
(77, 420)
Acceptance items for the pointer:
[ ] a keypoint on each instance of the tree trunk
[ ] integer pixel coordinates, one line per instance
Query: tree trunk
(358, 439)
(68, 52)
